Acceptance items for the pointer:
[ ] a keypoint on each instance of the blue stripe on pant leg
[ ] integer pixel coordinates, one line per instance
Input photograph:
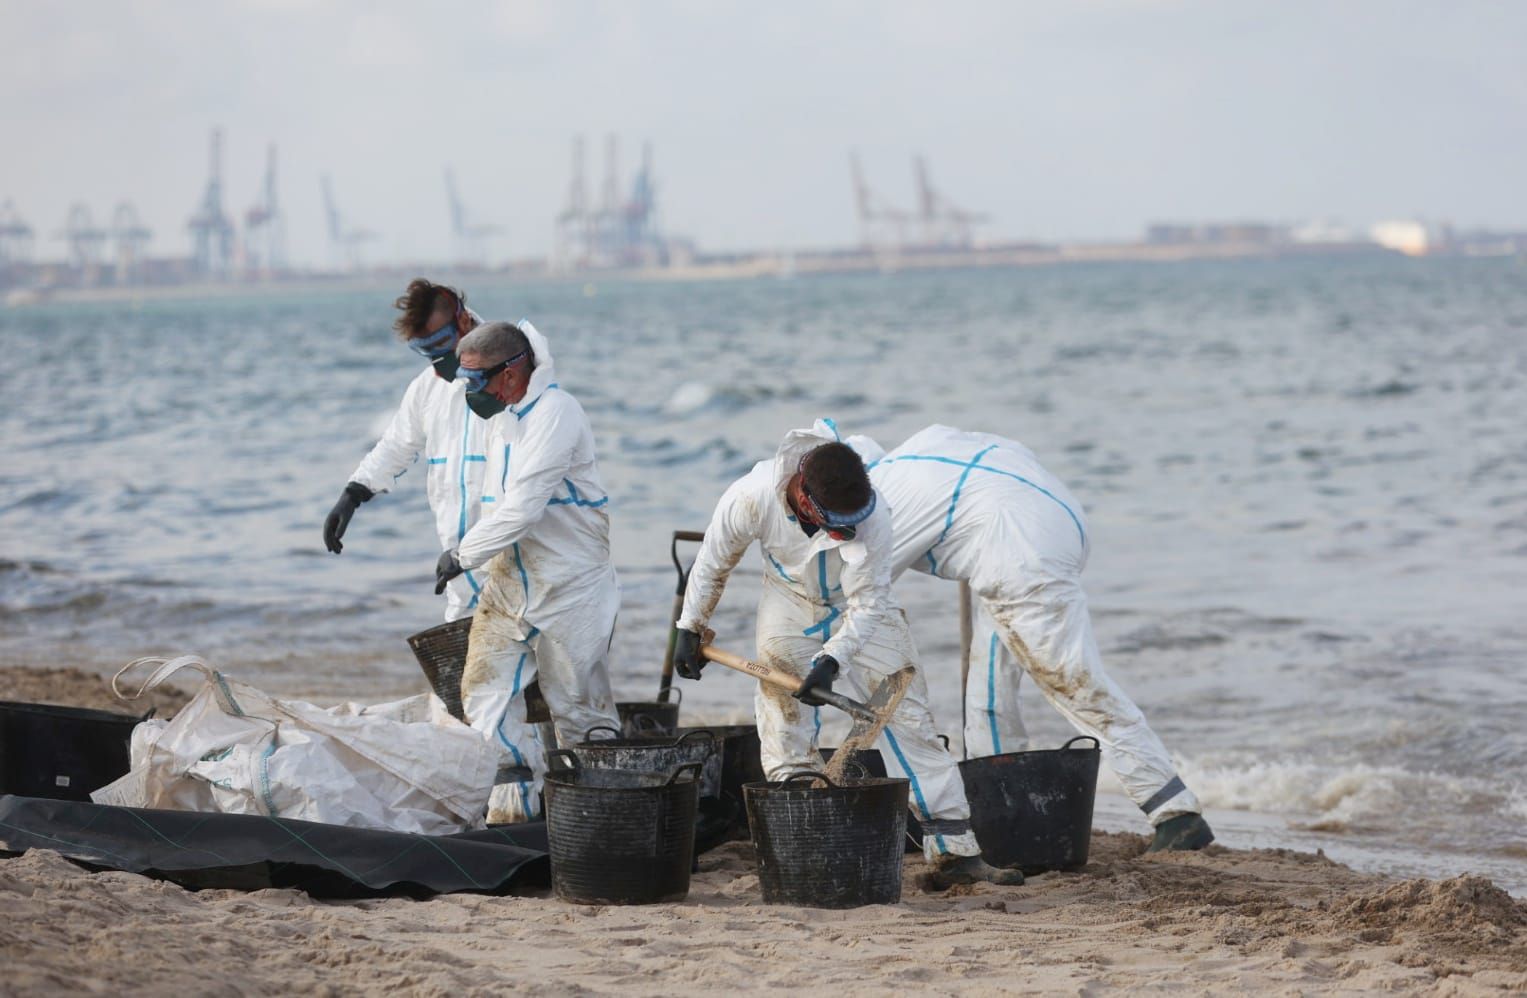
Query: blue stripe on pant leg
(991, 696)
(917, 790)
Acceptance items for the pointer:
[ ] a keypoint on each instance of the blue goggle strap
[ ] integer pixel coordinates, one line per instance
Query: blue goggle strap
(477, 378)
(436, 344)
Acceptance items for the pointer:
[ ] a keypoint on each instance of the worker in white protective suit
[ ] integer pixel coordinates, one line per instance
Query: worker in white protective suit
(434, 421)
(826, 607)
(981, 509)
(547, 607)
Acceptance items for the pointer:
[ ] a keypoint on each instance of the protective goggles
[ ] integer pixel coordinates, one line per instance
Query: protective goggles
(477, 378)
(843, 526)
(437, 344)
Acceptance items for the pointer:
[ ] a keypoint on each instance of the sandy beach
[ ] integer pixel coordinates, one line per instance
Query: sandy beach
(1222, 920)
(1226, 920)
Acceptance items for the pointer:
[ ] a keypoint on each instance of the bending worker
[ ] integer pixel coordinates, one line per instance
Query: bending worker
(433, 420)
(979, 508)
(547, 607)
(827, 607)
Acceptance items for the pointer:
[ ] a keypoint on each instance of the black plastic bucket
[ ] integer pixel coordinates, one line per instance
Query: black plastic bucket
(650, 717)
(741, 764)
(618, 837)
(442, 654)
(1033, 810)
(834, 846)
(61, 752)
(869, 762)
(654, 754)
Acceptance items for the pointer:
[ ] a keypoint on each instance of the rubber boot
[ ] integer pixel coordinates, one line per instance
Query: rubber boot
(956, 870)
(1184, 833)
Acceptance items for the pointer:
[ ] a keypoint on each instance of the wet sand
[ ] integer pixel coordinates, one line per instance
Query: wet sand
(1213, 922)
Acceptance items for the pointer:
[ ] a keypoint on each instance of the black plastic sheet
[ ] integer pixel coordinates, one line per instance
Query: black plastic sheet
(253, 852)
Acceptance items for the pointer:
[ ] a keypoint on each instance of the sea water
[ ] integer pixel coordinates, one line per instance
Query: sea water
(1306, 483)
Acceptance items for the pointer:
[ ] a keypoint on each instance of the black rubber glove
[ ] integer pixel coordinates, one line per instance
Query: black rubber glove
(339, 517)
(824, 669)
(446, 569)
(687, 660)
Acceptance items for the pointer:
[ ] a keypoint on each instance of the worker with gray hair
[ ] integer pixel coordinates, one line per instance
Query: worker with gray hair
(547, 608)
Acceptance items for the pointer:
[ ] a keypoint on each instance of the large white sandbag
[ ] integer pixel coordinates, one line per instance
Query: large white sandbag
(400, 766)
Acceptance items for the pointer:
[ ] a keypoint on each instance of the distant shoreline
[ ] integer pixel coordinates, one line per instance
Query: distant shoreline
(720, 267)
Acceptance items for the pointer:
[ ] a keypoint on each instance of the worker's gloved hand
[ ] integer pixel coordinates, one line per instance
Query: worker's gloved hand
(687, 660)
(339, 517)
(446, 569)
(824, 669)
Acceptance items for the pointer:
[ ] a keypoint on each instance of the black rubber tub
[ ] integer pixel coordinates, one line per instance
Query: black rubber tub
(618, 837)
(650, 717)
(62, 753)
(1033, 810)
(654, 754)
(830, 846)
(741, 764)
(442, 654)
(869, 762)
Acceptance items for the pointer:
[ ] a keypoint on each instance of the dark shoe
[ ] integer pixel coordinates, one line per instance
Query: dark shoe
(1184, 833)
(955, 870)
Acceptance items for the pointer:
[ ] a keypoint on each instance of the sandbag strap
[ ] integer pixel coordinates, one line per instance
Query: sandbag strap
(944, 826)
(1173, 787)
(167, 668)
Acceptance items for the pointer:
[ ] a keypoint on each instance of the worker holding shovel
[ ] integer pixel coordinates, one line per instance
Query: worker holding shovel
(827, 613)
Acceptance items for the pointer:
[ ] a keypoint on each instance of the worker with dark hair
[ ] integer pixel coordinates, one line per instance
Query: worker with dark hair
(433, 421)
(827, 614)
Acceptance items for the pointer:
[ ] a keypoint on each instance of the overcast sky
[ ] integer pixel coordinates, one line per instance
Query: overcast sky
(1068, 119)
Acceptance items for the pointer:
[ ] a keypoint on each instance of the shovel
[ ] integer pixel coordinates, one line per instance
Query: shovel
(870, 718)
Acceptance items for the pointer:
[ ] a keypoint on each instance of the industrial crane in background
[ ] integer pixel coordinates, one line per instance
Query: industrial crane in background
(15, 238)
(345, 243)
(265, 227)
(621, 232)
(84, 239)
(937, 225)
(881, 227)
(943, 225)
(129, 237)
(211, 228)
(470, 242)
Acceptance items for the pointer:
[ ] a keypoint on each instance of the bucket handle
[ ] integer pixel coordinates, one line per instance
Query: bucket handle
(677, 693)
(588, 735)
(1095, 743)
(809, 774)
(568, 761)
(692, 767)
(702, 733)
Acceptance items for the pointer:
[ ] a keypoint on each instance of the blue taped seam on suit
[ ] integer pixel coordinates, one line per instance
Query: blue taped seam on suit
(778, 567)
(991, 696)
(917, 790)
(524, 579)
(995, 471)
(527, 410)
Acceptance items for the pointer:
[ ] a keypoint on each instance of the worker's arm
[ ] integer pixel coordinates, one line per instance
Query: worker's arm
(734, 525)
(866, 581)
(400, 444)
(539, 463)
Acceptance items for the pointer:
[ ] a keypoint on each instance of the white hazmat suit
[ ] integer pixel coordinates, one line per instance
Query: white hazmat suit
(434, 421)
(822, 595)
(547, 608)
(980, 508)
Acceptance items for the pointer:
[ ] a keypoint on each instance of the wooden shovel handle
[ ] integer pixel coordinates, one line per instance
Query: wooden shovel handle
(764, 673)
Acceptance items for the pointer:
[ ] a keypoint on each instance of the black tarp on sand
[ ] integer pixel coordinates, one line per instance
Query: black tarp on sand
(252, 852)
